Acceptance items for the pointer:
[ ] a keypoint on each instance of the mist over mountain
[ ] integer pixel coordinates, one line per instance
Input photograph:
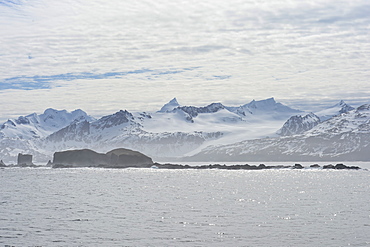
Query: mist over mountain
(263, 129)
(341, 138)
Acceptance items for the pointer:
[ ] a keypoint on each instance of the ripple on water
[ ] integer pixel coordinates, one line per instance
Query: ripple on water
(109, 207)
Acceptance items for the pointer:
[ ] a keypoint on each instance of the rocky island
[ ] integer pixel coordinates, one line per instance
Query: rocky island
(126, 158)
(117, 158)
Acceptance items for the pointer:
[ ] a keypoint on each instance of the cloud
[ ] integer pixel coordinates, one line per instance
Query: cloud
(43, 82)
(199, 51)
(48, 82)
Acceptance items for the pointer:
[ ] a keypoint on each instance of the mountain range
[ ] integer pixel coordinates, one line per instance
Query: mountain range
(262, 130)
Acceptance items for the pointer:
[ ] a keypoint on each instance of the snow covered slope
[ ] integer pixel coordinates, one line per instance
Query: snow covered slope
(216, 132)
(38, 126)
(26, 134)
(175, 130)
(170, 105)
(298, 124)
(334, 110)
(343, 137)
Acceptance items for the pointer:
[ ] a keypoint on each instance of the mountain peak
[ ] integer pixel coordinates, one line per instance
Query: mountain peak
(173, 101)
(118, 118)
(50, 111)
(266, 105)
(298, 124)
(341, 107)
(170, 105)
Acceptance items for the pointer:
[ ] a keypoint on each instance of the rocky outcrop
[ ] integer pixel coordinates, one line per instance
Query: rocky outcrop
(340, 167)
(250, 167)
(79, 158)
(124, 157)
(118, 158)
(24, 160)
(2, 164)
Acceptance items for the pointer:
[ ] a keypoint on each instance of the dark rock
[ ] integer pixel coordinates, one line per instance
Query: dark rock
(298, 166)
(24, 160)
(127, 158)
(353, 167)
(328, 166)
(118, 158)
(79, 158)
(315, 166)
(340, 166)
(239, 167)
(261, 166)
(2, 164)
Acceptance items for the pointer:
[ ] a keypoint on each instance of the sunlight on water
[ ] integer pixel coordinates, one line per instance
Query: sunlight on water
(154, 207)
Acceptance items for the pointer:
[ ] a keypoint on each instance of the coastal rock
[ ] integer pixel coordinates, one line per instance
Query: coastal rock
(2, 164)
(124, 157)
(340, 167)
(118, 158)
(248, 167)
(79, 158)
(328, 166)
(24, 160)
(298, 166)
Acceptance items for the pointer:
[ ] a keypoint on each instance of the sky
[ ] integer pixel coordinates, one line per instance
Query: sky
(104, 56)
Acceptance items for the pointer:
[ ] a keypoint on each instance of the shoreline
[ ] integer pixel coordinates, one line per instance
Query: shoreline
(156, 165)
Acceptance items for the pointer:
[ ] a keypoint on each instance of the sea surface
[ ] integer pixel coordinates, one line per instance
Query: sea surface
(155, 207)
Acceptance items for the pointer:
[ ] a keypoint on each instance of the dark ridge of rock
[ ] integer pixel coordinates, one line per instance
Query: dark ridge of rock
(247, 167)
(124, 157)
(218, 166)
(118, 158)
(79, 158)
(328, 166)
(315, 166)
(24, 160)
(298, 166)
(341, 167)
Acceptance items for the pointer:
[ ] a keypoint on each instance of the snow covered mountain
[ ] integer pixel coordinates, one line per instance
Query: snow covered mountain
(214, 131)
(334, 110)
(298, 124)
(174, 130)
(25, 134)
(170, 106)
(341, 138)
(38, 126)
(264, 107)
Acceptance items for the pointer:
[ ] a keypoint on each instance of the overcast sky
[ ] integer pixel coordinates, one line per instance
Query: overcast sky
(103, 56)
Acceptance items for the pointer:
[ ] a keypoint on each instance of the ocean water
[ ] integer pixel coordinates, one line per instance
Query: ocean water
(155, 207)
